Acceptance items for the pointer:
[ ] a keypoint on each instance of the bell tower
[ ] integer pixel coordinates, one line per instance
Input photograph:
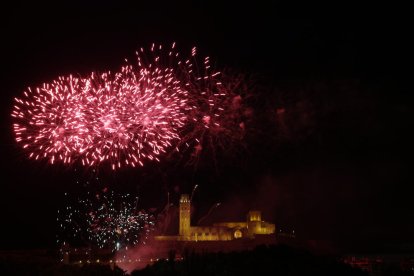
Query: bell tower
(185, 214)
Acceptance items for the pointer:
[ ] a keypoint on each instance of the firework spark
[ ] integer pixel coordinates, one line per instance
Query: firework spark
(106, 220)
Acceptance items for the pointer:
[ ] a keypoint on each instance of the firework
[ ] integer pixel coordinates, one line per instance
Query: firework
(207, 98)
(106, 220)
(122, 118)
(222, 117)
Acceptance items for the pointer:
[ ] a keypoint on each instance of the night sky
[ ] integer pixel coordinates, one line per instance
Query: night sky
(338, 171)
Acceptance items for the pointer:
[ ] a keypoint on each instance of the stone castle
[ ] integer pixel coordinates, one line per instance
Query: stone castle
(252, 228)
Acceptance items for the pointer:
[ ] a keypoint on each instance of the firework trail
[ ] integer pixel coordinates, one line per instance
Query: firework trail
(123, 118)
(192, 192)
(106, 220)
(209, 212)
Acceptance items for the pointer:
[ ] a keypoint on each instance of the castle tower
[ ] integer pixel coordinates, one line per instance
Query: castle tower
(185, 214)
(254, 216)
(254, 222)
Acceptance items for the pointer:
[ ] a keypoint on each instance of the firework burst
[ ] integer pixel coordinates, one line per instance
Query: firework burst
(122, 118)
(106, 220)
(222, 120)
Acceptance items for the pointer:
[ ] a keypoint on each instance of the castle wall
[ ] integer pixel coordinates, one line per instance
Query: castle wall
(232, 224)
(225, 231)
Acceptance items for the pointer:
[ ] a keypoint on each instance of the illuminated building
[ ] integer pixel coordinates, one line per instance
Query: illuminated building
(220, 237)
(224, 231)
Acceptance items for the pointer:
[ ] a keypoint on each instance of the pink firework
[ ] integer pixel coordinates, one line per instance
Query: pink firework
(222, 118)
(122, 118)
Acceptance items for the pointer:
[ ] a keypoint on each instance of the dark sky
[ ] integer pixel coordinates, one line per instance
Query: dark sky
(339, 171)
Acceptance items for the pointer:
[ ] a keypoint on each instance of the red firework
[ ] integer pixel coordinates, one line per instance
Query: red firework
(161, 104)
(222, 118)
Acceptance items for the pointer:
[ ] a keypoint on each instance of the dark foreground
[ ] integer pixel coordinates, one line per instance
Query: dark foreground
(263, 260)
(276, 260)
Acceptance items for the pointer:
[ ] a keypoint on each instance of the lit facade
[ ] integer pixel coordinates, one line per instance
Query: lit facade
(224, 231)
